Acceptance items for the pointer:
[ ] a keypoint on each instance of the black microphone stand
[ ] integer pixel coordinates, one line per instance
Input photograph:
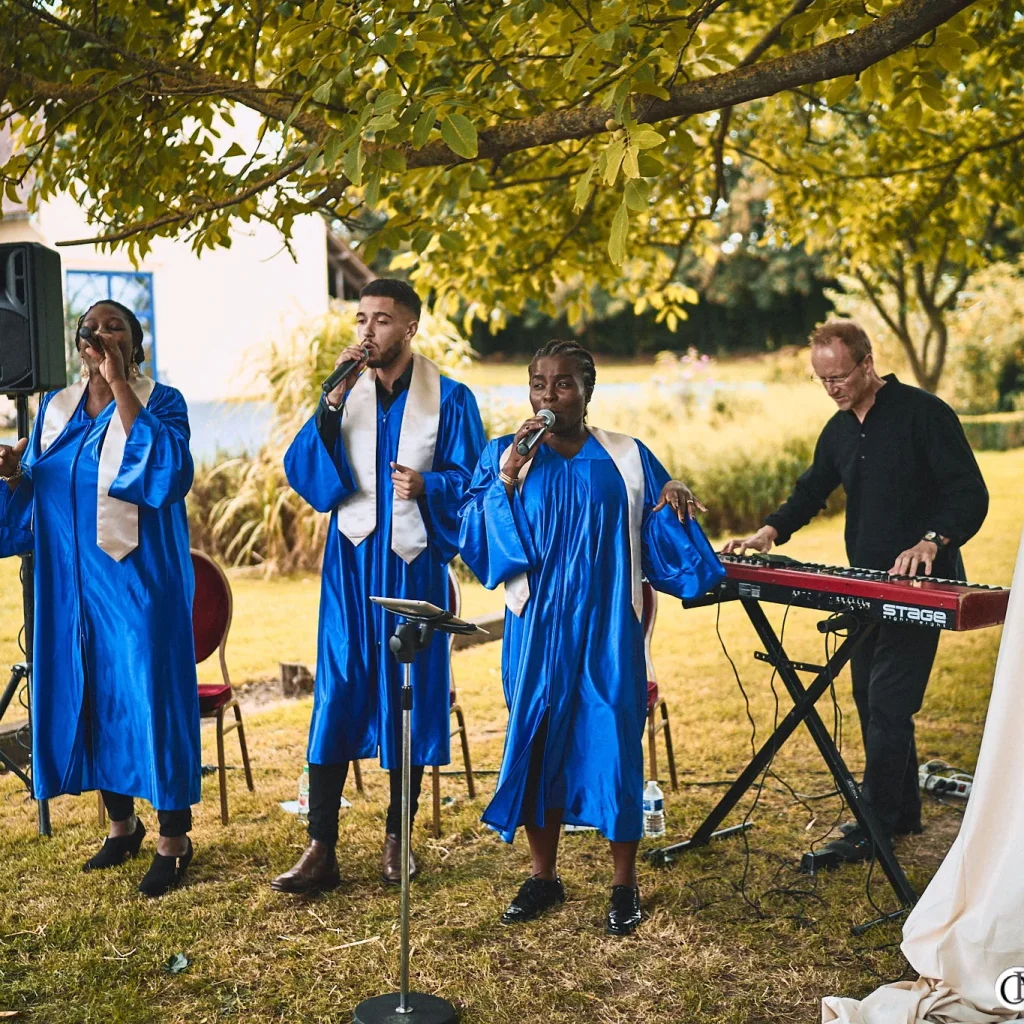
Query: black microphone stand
(421, 621)
(23, 670)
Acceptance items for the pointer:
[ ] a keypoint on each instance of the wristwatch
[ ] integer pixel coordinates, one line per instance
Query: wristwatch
(936, 538)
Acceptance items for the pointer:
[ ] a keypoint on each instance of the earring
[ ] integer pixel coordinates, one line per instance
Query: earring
(83, 372)
(134, 371)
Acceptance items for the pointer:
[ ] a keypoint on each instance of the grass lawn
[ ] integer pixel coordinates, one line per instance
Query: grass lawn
(734, 933)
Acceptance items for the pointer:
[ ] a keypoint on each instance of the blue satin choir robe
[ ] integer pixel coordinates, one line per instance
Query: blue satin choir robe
(576, 654)
(356, 703)
(115, 703)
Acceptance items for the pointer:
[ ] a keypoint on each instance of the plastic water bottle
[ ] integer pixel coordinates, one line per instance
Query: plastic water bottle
(654, 811)
(304, 794)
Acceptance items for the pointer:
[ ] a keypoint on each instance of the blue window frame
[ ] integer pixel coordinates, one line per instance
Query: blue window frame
(134, 289)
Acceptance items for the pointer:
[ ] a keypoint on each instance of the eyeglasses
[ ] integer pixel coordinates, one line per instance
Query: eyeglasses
(829, 382)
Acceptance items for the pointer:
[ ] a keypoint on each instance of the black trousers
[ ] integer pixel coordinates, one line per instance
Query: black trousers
(326, 781)
(172, 823)
(890, 672)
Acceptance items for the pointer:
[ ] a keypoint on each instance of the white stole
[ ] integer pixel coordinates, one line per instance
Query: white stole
(357, 514)
(117, 522)
(626, 455)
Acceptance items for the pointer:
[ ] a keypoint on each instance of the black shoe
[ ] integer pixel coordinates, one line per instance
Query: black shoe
(165, 872)
(855, 846)
(117, 849)
(909, 829)
(624, 912)
(534, 897)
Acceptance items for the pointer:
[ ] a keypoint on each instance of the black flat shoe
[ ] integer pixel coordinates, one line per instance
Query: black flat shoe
(855, 846)
(534, 897)
(624, 913)
(117, 849)
(165, 872)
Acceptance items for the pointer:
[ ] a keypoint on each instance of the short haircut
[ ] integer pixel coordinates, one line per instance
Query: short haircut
(394, 288)
(584, 362)
(138, 352)
(851, 334)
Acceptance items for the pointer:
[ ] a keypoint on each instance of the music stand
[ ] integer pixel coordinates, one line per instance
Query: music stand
(421, 621)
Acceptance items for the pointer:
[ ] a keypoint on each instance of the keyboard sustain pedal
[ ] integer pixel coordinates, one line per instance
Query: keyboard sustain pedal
(816, 861)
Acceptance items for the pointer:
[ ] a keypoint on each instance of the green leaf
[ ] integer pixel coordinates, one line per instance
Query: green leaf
(637, 194)
(630, 167)
(322, 94)
(933, 98)
(613, 160)
(332, 147)
(583, 188)
(839, 89)
(233, 150)
(459, 135)
(387, 101)
(617, 240)
(372, 194)
(176, 964)
(646, 138)
(424, 125)
(650, 89)
(392, 160)
(352, 165)
(650, 166)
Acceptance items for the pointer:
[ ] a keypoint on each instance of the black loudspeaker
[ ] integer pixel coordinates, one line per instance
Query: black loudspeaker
(31, 320)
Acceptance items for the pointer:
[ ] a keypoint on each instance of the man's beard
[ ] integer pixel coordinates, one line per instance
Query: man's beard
(386, 357)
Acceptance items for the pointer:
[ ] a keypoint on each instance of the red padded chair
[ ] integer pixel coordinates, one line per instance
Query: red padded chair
(211, 620)
(455, 607)
(655, 704)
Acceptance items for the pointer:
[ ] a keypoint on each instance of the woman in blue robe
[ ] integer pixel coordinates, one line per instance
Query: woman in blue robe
(570, 542)
(98, 495)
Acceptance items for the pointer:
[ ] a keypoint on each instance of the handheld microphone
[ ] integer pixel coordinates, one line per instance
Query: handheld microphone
(530, 440)
(89, 336)
(341, 372)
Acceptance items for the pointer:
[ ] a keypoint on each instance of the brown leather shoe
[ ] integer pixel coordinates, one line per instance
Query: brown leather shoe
(391, 861)
(315, 871)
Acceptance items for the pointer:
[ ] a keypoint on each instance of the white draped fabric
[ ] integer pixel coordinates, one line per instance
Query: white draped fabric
(968, 927)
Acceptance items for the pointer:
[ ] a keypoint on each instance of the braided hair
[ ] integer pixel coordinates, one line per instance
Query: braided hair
(138, 352)
(584, 362)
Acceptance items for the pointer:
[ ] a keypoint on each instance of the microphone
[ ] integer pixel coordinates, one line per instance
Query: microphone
(530, 440)
(89, 336)
(341, 372)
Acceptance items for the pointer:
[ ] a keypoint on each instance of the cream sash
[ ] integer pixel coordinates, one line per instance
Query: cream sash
(626, 455)
(357, 515)
(117, 522)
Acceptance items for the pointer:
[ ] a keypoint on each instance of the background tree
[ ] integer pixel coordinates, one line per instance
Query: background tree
(508, 151)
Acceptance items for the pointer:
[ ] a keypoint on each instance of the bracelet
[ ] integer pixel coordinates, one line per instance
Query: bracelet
(331, 407)
(506, 479)
(16, 475)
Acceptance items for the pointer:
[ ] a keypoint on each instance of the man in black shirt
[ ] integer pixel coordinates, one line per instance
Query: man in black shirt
(914, 496)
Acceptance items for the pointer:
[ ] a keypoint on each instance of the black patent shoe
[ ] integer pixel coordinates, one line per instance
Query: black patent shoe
(911, 828)
(117, 849)
(855, 846)
(624, 912)
(534, 897)
(165, 872)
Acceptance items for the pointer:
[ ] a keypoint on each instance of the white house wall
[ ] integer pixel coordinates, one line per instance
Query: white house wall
(215, 314)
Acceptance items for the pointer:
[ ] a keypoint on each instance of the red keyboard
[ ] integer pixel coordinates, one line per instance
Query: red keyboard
(920, 600)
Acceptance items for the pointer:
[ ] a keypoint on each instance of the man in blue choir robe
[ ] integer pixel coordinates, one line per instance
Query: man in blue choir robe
(571, 541)
(390, 453)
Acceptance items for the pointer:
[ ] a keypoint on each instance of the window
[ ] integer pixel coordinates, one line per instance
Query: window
(131, 289)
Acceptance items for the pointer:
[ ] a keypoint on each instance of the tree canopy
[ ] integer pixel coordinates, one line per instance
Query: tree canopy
(529, 150)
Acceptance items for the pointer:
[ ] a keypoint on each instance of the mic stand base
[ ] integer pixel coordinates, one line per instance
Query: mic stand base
(421, 1009)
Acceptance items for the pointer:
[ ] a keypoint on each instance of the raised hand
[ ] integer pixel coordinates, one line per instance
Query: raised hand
(677, 496)
(10, 460)
(515, 461)
(110, 358)
(348, 383)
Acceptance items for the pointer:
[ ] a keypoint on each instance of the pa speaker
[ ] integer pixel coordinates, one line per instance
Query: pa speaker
(31, 320)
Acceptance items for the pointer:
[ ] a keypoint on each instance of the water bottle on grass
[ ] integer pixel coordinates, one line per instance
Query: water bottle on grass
(654, 811)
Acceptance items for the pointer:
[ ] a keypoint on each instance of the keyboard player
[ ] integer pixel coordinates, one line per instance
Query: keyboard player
(914, 496)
